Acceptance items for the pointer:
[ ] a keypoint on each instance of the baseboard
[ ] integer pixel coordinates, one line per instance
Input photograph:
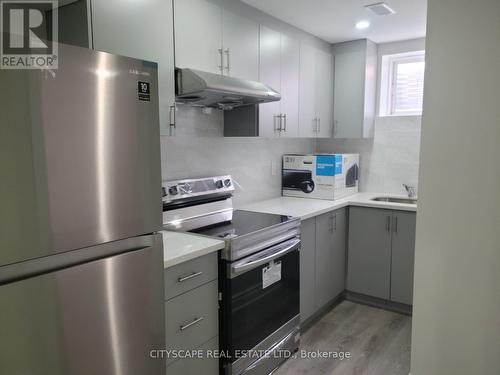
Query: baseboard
(378, 302)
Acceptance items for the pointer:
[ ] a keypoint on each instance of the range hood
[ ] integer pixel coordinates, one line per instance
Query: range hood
(214, 90)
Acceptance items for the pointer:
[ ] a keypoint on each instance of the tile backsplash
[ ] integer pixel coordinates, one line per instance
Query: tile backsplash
(204, 152)
(387, 161)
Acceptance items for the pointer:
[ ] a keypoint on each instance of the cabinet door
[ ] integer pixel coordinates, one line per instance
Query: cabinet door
(338, 260)
(290, 56)
(324, 92)
(403, 256)
(240, 46)
(270, 74)
(324, 252)
(198, 35)
(307, 89)
(307, 268)
(123, 27)
(369, 252)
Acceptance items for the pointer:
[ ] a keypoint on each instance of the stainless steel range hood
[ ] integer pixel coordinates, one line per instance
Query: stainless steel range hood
(214, 90)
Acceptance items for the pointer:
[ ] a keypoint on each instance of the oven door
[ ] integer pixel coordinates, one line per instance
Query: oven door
(260, 298)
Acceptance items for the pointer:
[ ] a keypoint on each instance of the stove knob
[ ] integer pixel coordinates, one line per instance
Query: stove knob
(163, 192)
(172, 190)
(227, 183)
(219, 184)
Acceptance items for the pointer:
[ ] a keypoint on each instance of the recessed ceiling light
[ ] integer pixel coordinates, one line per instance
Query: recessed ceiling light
(362, 25)
(380, 9)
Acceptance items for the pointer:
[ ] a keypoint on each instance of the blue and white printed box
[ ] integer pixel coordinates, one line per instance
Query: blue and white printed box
(320, 176)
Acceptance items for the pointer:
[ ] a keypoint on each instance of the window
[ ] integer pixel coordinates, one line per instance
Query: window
(402, 84)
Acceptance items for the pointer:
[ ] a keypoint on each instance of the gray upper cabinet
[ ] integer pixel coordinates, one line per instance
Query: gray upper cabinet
(240, 46)
(213, 39)
(279, 69)
(307, 268)
(144, 32)
(403, 256)
(354, 89)
(369, 254)
(316, 92)
(198, 35)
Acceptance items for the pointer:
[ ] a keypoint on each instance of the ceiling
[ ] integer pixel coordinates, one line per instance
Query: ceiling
(334, 20)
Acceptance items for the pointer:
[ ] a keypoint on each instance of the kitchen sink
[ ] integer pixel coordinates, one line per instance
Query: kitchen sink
(395, 200)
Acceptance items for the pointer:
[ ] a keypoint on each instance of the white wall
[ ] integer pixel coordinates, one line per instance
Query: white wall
(388, 160)
(206, 153)
(456, 316)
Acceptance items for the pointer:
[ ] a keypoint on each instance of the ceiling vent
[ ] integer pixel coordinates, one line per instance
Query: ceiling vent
(380, 9)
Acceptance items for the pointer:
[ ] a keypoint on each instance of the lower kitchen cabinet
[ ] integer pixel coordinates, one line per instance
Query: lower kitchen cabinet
(191, 314)
(323, 254)
(403, 257)
(307, 268)
(381, 253)
(203, 365)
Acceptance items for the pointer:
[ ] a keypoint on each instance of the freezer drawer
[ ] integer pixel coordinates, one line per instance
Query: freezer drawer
(101, 317)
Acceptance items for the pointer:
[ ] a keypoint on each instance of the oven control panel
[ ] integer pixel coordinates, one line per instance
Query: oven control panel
(184, 189)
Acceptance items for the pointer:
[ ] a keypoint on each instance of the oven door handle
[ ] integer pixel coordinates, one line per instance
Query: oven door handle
(273, 253)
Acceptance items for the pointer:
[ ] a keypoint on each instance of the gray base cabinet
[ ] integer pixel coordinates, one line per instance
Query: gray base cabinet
(307, 268)
(191, 314)
(323, 257)
(381, 253)
(403, 257)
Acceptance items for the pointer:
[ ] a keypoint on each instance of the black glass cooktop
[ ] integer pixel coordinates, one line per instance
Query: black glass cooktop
(243, 222)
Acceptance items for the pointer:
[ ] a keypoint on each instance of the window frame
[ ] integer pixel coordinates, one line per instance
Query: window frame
(388, 82)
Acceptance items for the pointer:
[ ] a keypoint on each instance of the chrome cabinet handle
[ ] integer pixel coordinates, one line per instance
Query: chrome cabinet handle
(197, 320)
(315, 125)
(335, 126)
(221, 66)
(283, 116)
(388, 226)
(319, 124)
(395, 224)
(185, 278)
(228, 66)
(277, 129)
(335, 223)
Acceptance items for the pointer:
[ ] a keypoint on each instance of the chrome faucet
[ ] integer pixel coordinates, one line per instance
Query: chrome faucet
(410, 189)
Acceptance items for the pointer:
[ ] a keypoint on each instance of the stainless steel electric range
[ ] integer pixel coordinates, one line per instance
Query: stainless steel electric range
(258, 272)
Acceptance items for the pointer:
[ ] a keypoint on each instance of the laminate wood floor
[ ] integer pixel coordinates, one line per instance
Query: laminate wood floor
(378, 342)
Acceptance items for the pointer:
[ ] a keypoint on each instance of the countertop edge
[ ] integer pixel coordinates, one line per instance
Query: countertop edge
(192, 255)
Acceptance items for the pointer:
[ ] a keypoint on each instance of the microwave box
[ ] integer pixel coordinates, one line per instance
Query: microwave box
(320, 176)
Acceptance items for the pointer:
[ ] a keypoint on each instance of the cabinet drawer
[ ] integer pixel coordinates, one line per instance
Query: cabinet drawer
(205, 365)
(189, 275)
(192, 318)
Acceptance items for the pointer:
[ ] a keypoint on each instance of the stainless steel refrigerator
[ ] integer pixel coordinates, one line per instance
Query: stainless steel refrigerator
(81, 268)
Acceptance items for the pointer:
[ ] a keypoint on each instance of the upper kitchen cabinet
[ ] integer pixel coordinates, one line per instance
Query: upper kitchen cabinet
(279, 69)
(355, 89)
(198, 35)
(316, 92)
(240, 42)
(144, 32)
(212, 39)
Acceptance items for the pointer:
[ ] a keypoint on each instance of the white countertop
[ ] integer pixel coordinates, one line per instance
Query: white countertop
(305, 208)
(181, 247)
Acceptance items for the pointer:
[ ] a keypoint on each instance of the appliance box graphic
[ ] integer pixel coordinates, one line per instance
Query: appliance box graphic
(320, 176)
